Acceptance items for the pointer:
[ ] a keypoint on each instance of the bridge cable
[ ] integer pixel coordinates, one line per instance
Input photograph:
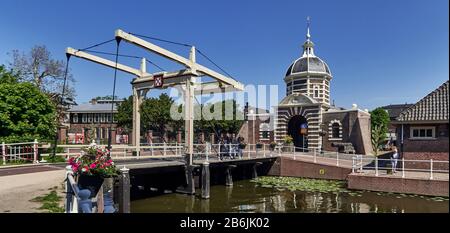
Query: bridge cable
(186, 45)
(210, 60)
(118, 39)
(61, 102)
(96, 45)
(162, 40)
(125, 55)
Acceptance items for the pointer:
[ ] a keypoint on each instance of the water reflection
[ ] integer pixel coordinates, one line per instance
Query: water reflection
(245, 196)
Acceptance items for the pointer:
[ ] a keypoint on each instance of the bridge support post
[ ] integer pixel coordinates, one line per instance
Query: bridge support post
(255, 170)
(124, 191)
(229, 175)
(205, 180)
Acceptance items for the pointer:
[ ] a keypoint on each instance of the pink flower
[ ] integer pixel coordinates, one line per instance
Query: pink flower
(93, 166)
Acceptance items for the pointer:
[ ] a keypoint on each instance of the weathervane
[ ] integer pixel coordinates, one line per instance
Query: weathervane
(308, 22)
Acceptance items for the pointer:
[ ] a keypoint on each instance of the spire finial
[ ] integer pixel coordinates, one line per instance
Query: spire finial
(308, 22)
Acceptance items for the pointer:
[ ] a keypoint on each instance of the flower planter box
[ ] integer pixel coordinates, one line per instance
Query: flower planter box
(92, 183)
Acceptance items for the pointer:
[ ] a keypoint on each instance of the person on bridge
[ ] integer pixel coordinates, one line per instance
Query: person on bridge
(394, 159)
(222, 148)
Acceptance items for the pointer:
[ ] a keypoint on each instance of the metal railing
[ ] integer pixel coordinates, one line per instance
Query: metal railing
(408, 168)
(24, 151)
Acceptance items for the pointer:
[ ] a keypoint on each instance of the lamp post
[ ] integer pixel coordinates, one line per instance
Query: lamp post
(322, 133)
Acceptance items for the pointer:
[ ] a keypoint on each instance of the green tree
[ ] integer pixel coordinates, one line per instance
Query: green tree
(378, 139)
(124, 116)
(25, 112)
(155, 113)
(379, 124)
(223, 124)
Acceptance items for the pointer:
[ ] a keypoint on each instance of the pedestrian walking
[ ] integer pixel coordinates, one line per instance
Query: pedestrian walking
(394, 159)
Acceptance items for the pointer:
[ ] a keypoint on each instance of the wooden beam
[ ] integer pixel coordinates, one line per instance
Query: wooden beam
(177, 58)
(105, 62)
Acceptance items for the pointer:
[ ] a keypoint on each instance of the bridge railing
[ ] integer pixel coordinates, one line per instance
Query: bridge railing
(24, 151)
(232, 151)
(407, 168)
(316, 154)
(124, 151)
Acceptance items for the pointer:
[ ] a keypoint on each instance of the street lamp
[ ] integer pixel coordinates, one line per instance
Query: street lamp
(322, 133)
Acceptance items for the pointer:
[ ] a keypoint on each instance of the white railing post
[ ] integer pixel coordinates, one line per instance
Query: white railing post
(337, 158)
(68, 153)
(353, 165)
(164, 149)
(376, 166)
(294, 152)
(249, 149)
(431, 169)
(361, 160)
(315, 155)
(264, 150)
(4, 153)
(176, 148)
(151, 149)
(403, 167)
(35, 151)
(207, 151)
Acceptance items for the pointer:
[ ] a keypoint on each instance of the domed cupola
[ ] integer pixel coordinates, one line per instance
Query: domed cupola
(309, 74)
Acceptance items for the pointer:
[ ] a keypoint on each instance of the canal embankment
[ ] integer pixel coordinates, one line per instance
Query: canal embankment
(304, 168)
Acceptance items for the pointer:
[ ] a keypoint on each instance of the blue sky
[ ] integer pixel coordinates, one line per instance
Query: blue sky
(380, 51)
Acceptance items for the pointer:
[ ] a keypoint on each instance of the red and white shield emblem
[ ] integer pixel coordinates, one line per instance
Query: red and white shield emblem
(158, 81)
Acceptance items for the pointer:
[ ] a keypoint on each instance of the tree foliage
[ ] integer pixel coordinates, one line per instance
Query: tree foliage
(25, 112)
(379, 124)
(124, 116)
(379, 117)
(39, 68)
(378, 139)
(155, 115)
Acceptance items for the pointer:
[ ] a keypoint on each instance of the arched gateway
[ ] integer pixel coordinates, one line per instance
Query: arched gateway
(298, 130)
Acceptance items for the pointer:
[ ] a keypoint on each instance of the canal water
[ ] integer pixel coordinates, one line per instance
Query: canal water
(246, 196)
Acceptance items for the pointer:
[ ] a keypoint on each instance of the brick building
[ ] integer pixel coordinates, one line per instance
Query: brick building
(423, 128)
(86, 122)
(394, 111)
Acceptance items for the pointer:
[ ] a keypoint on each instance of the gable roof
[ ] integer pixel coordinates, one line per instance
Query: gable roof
(394, 110)
(433, 107)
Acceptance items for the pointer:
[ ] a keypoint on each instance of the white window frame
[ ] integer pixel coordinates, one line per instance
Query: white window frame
(75, 118)
(330, 130)
(433, 130)
(90, 118)
(84, 118)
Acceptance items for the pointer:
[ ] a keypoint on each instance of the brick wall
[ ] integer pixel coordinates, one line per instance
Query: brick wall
(398, 185)
(442, 156)
(296, 168)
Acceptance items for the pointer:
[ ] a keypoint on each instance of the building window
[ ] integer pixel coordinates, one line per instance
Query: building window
(90, 117)
(335, 130)
(264, 130)
(423, 132)
(75, 118)
(84, 118)
(96, 117)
